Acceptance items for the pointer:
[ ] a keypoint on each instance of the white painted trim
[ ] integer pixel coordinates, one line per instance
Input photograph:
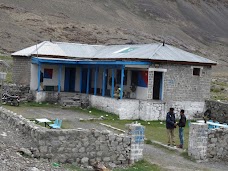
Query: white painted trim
(163, 82)
(201, 67)
(158, 69)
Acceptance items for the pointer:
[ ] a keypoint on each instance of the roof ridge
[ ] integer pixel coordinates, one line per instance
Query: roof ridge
(156, 50)
(37, 48)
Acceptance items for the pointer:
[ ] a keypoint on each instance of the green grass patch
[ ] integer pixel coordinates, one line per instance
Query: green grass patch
(72, 167)
(141, 166)
(216, 90)
(223, 84)
(154, 130)
(35, 104)
(186, 156)
(95, 112)
(6, 58)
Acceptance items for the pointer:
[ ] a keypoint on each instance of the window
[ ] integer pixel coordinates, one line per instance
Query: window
(48, 73)
(196, 71)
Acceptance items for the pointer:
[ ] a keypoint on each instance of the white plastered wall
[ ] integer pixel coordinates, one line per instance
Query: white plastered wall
(46, 81)
(34, 77)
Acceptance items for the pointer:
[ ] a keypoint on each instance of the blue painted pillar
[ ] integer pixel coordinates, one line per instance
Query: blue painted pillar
(103, 85)
(59, 78)
(113, 72)
(95, 81)
(161, 87)
(122, 81)
(88, 78)
(81, 80)
(39, 67)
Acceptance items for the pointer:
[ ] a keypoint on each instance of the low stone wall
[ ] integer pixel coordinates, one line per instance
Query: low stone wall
(77, 145)
(217, 147)
(207, 144)
(125, 108)
(219, 109)
(144, 109)
(191, 107)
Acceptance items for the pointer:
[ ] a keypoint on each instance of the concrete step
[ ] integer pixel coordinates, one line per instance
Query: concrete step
(70, 103)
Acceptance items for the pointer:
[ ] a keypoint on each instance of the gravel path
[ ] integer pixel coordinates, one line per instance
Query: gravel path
(173, 161)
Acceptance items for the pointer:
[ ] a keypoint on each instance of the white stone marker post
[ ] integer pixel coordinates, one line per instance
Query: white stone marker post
(198, 136)
(137, 133)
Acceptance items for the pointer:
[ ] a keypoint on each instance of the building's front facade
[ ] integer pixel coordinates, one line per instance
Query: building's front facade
(153, 77)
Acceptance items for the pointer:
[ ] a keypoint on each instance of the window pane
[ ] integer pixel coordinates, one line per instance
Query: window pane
(196, 71)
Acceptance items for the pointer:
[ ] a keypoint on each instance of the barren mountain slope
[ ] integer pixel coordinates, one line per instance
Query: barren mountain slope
(199, 26)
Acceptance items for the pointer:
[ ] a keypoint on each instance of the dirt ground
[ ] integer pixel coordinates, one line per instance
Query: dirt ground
(71, 117)
(164, 158)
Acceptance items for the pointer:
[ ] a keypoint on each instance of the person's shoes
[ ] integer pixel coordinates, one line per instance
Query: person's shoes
(180, 146)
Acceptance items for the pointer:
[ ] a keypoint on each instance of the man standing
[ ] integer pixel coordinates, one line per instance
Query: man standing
(170, 125)
(181, 125)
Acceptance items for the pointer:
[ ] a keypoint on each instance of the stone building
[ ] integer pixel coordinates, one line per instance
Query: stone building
(152, 77)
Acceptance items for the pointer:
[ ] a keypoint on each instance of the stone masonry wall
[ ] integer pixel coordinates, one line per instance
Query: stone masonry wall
(217, 148)
(74, 145)
(21, 70)
(181, 85)
(205, 144)
(219, 109)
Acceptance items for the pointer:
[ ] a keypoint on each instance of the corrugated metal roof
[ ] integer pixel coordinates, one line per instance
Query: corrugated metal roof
(154, 51)
(63, 49)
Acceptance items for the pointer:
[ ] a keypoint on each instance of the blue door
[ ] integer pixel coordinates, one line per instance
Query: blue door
(84, 79)
(69, 84)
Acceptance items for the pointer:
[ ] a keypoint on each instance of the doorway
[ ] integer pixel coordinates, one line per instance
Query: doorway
(158, 83)
(84, 80)
(69, 83)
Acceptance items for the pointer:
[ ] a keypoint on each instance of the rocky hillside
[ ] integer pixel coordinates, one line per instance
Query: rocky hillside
(199, 26)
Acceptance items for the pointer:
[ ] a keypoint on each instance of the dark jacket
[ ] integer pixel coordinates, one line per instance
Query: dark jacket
(170, 120)
(182, 121)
